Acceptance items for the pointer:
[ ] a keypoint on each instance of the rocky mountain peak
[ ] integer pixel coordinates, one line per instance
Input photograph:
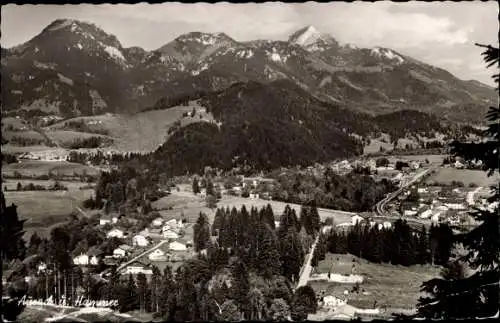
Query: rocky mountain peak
(310, 38)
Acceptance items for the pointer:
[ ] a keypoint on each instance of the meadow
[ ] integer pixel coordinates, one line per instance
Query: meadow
(44, 209)
(139, 132)
(395, 288)
(467, 176)
(37, 168)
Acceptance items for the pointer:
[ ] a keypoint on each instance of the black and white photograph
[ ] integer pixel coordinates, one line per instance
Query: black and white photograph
(268, 161)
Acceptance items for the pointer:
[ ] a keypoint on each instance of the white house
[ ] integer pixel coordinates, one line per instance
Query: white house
(422, 190)
(104, 220)
(121, 251)
(137, 269)
(409, 213)
(177, 246)
(426, 214)
(157, 222)
(172, 223)
(435, 217)
(140, 240)
(455, 206)
(458, 164)
(166, 227)
(356, 219)
(332, 301)
(42, 267)
(157, 255)
(117, 233)
(326, 228)
(254, 196)
(81, 260)
(170, 234)
(387, 224)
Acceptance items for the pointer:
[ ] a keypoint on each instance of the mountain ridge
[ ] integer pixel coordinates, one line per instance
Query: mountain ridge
(376, 80)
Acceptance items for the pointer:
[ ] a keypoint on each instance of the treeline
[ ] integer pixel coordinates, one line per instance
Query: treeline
(82, 126)
(127, 186)
(247, 276)
(254, 237)
(89, 143)
(25, 141)
(34, 187)
(170, 101)
(100, 158)
(351, 192)
(83, 177)
(403, 123)
(399, 245)
(9, 158)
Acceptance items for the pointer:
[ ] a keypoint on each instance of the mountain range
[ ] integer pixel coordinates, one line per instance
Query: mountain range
(75, 68)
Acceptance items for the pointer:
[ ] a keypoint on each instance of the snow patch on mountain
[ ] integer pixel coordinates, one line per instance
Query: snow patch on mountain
(309, 36)
(201, 69)
(387, 53)
(246, 53)
(65, 79)
(62, 24)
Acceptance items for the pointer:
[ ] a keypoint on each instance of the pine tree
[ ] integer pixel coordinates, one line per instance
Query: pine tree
(479, 292)
(291, 255)
(264, 255)
(303, 303)
(12, 247)
(201, 233)
(196, 186)
(128, 298)
(142, 291)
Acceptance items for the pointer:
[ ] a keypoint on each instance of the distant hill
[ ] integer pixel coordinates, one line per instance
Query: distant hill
(75, 68)
(269, 125)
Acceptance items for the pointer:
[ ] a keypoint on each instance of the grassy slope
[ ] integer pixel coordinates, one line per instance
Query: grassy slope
(143, 131)
(37, 168)
(394, 287)
(446, 175)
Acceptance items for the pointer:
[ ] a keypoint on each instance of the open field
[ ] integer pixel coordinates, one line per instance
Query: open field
(13, 149)
(433, 159)
(391, 287)
(11, 184)
(67, 136)
(467, 176)
(42, 209)
(16, 123)
(279, 207)
(28, 134)
(37, 168)
(140, 132)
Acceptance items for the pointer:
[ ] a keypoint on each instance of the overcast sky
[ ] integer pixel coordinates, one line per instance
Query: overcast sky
(442, 34)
